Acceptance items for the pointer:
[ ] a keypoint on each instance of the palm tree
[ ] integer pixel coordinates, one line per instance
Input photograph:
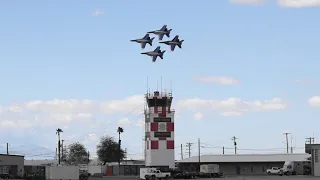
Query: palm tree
(119, 130)
(58, 131)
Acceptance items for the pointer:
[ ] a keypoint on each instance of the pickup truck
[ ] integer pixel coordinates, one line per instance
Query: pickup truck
(275, 171)
(153, 173)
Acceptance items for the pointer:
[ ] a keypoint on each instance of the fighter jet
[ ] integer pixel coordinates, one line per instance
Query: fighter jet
(173, 43)
(163, 31)
(146, 39)
(157, 52)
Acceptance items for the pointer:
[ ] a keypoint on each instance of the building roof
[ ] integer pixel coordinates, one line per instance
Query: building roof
(11, 155)
(247, 158)
(40, 162)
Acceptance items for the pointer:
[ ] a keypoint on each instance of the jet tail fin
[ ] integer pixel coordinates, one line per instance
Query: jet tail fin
(180, 44)
(150, 42)
(161, 54)
(168, 33)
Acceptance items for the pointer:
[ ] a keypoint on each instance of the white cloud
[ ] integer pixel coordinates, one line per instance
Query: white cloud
(97, 12)
(198, 116)
(124, 122)
(15, 124)
(133, 103)
(64, 111)
(231, 106)
(231, 113)
(315, 101)
(299, 3)
(223, 80)
(140, 123)
(247, 1)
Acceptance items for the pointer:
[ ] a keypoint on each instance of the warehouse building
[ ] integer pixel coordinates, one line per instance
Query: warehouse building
(13, 164)
(245, 164)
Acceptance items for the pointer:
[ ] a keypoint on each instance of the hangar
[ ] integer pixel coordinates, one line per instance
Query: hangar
(244, 164)
(13, 163)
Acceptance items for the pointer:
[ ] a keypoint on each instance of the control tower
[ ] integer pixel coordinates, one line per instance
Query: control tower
(159, 130)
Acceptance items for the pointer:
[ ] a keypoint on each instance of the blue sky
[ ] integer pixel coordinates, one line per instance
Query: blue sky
(249, 70)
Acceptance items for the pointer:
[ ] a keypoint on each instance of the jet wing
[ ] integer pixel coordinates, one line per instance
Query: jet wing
(143, 45)
(154, 58)
(175, 39)
(161, 36)
(157, 49)
(164, 27)
(146, 36)
(172, 47)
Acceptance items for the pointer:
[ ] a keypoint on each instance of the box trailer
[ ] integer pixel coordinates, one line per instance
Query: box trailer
(62, 173)
(209, 171)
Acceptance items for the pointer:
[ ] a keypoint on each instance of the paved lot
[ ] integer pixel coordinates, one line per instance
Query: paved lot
(228, 178)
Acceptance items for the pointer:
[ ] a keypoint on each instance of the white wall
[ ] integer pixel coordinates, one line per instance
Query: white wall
(162, 158)
(93, 169)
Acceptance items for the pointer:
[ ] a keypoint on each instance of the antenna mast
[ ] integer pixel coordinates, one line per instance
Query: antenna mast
(147, 85)
(161, 83)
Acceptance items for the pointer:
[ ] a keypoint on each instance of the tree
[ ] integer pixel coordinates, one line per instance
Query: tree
(119, 130)
(108, 150)
(76, 154)
(58, 131)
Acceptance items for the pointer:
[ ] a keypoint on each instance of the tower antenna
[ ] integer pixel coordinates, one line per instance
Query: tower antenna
(147, 85)
(171, 86)
(161, 83)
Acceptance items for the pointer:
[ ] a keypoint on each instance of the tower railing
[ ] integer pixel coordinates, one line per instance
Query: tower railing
(158, 94)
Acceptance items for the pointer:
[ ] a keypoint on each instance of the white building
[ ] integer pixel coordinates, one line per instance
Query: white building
(159, 130)
(245, 164)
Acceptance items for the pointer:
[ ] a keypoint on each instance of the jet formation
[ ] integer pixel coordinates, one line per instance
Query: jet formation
(164, 31)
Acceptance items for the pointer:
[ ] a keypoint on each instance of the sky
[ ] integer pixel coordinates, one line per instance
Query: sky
(247, 68)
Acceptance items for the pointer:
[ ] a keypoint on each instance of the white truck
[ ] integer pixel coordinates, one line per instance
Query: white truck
(62, 172)
(209, 171)
(289, 168)
(153, 173)
(274, 171)
(83, 172)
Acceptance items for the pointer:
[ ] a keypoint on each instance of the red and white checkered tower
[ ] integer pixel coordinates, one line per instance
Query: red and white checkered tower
(159, 130)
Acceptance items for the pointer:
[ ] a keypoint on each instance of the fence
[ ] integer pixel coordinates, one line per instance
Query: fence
(124, 170)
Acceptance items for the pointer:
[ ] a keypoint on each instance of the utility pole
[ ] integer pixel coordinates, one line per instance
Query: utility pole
(287, 141)
(291, 143)
(234, 139)
(189, 148)
(7, 148)
(88, 157)
(181, 152)
(223, 150)
(62, 150)
(199, 153)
